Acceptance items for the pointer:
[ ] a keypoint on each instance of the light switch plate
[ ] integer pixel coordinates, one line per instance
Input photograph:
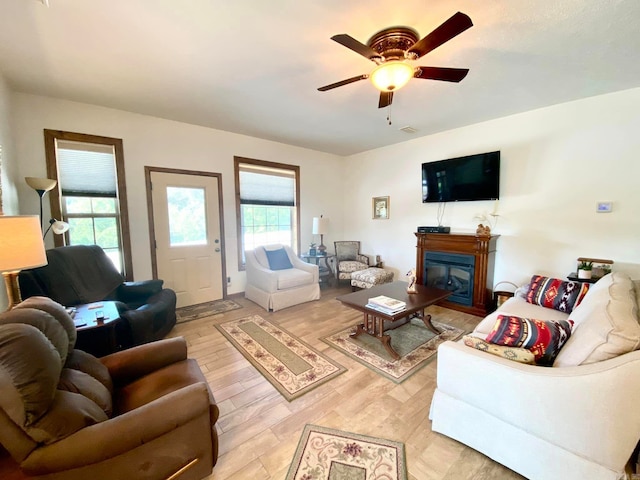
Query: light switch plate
(604, 207)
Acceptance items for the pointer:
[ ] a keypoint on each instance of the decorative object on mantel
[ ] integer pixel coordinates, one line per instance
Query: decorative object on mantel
(21, 247)
(411, 287)
(491, 220)
(320, 227)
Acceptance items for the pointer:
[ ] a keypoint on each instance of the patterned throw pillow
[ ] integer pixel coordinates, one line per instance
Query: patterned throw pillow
(555, 293)
(544, 338)
(521, 355)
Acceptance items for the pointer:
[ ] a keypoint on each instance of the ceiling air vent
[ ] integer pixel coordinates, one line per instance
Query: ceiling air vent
(408, 129)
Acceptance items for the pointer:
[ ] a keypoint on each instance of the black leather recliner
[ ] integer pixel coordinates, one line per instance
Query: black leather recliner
(81, 274)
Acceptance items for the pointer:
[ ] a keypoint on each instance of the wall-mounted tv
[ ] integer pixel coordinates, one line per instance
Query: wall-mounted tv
(474, 177)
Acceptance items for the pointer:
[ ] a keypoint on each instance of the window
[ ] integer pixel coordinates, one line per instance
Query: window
(91, 196)
(267, 204)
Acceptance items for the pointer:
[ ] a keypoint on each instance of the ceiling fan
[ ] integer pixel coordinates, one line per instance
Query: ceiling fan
(391, 48)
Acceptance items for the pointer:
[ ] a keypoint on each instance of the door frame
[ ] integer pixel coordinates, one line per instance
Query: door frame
(152, 230)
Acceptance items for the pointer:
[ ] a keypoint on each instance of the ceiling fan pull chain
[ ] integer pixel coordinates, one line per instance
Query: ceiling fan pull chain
(389, 114)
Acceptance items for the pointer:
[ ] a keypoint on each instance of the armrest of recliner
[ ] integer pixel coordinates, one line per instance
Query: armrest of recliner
(128, 365)
(121, 434)
(136, 291)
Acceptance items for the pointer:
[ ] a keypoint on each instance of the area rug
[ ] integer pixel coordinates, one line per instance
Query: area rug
(414, 342)
(194, 312)
(292, 366)
(328, 454)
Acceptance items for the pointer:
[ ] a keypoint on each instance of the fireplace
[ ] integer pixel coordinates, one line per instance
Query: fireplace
(451, 271)
(467, 269)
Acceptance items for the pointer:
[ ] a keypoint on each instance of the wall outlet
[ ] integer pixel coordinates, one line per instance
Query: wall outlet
(228, 280)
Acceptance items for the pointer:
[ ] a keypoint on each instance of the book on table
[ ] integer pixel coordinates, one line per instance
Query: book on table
(388, 303)
(380, 309)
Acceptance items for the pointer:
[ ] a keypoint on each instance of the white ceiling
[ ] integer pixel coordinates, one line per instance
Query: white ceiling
(253, 66)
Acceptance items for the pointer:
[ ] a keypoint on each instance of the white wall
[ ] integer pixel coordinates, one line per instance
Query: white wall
(163, 143)
(8, 166)
(557, 163)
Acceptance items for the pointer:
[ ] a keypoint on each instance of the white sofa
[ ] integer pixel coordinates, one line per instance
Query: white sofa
(577, 420)
(277, 289)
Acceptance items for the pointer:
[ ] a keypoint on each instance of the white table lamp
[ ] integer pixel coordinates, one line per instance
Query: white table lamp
(21, 247)
(320, 227)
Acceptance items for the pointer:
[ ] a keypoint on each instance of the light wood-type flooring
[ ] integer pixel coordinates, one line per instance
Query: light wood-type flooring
(259, 430)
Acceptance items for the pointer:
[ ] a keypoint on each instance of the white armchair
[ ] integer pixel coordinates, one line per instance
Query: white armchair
(275, 289)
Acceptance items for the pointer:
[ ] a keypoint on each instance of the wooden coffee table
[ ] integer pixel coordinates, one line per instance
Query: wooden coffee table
(373, 323)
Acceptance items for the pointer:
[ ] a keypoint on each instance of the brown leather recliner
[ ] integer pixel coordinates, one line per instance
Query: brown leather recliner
(142, 413)
(80, 274)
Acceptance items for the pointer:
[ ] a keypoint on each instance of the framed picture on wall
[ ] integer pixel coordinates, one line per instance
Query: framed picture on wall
(380, 208)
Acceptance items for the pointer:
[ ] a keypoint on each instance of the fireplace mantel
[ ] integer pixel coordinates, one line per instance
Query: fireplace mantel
(483, 248)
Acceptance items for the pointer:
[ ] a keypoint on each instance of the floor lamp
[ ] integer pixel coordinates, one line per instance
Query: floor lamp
(320, 227)
(41, 186)
(21, 247)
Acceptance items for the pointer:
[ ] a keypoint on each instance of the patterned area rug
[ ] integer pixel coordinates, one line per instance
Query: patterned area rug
(194, 312)
(414, 342)
(327, 454)
(292, 366)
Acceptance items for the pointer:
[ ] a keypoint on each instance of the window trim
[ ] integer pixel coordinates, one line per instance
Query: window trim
(50, 138)
(263, 163)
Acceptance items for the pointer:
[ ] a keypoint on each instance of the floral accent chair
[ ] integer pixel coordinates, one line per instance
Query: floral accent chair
(349, 259)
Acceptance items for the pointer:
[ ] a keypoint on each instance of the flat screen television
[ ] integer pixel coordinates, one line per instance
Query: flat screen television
(461, 179)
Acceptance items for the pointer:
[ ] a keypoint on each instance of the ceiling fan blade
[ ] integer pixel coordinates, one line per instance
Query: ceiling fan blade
(385, 99)
(457, 24)
(353, 44)
(343, 82)
(441, 73)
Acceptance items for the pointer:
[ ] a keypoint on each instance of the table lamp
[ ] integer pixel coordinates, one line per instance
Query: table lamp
(21, 247)
(320, 227)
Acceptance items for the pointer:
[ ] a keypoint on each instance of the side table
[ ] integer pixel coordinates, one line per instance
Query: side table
(96, 326)
(326, 272)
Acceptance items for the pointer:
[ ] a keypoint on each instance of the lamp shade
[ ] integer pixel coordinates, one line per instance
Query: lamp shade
(42, 184)
(320, 226)
(391, 76)
(21, 244)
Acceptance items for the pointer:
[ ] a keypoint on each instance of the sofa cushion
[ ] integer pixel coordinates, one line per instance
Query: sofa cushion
(293, 278)
(606, 323)
(544, 338)
(555, 293)
(79, 382)
(278, 259)
(351, 266)
(521, 355)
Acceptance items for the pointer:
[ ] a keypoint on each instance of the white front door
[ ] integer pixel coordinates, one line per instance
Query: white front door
(186, 220)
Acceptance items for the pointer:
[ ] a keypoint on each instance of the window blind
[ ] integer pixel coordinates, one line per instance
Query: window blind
(86, 169)
(266, 186)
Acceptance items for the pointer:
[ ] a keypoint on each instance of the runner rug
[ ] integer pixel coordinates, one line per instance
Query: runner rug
(327, 454)
(414, 342)
(194, 312)
(292, 366)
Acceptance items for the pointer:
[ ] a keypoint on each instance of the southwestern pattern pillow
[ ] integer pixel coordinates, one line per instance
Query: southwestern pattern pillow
(521, 355)
(555, 293)
(544, 338)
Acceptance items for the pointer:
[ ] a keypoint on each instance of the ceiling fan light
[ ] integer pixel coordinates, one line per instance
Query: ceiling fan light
(391, 76)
